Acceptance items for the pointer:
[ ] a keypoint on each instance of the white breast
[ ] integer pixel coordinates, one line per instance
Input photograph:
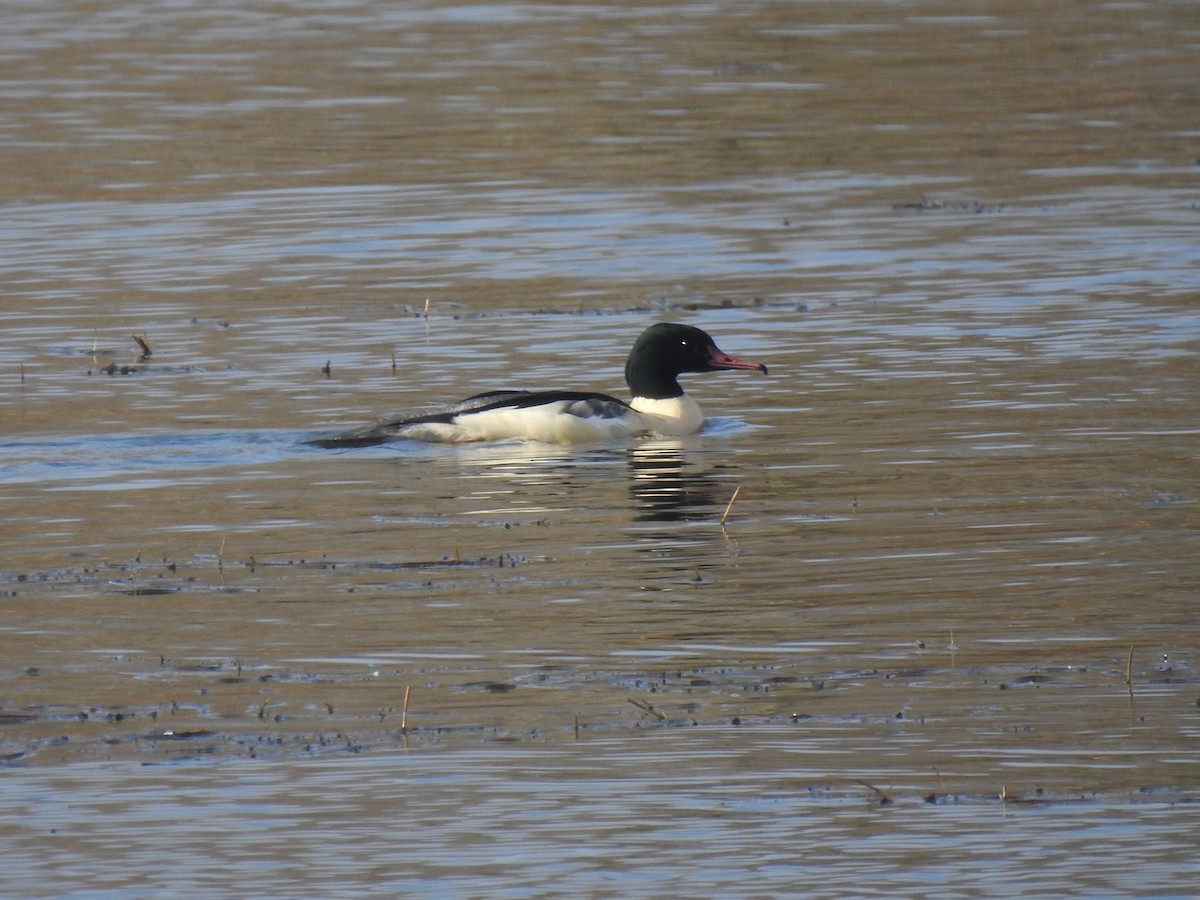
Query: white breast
(673, 416)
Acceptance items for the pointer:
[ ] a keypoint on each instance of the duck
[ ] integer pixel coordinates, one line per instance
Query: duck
(659, 406)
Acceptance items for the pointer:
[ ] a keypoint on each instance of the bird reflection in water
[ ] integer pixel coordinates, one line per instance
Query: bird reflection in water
(665, 488)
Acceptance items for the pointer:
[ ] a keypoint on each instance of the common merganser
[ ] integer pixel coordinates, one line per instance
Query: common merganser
(659, 405)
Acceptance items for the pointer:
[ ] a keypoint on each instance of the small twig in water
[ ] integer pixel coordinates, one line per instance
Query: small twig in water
(884, 799)
(737, 490)
(1129, 666)
(404, 709)
(643, 705)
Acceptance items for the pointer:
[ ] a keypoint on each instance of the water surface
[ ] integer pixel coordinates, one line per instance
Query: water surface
(943, 643)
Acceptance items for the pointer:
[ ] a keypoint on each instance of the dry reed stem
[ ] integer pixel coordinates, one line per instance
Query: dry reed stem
(881, 794)
(737, 490)
(643, 705)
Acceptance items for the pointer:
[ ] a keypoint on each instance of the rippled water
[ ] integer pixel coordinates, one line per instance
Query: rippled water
(943, 641)
(646, 813)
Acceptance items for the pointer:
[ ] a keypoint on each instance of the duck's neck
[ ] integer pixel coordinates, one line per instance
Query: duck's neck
(650, 382)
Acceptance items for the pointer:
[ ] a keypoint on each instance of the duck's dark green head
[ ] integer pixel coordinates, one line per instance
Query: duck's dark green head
(667, 350)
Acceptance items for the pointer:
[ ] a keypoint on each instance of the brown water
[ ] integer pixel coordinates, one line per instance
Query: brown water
(945, 643)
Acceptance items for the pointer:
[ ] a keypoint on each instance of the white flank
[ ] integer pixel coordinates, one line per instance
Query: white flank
(554, 423)
(549, 423)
